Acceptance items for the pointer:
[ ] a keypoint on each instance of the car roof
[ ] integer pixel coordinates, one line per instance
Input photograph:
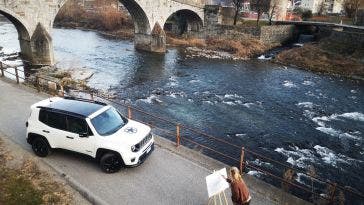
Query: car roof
(74, 106)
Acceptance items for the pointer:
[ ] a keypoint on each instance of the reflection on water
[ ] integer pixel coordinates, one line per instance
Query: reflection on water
(285, 113)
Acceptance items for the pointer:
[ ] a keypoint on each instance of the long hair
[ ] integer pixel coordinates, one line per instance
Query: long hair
(235, 174)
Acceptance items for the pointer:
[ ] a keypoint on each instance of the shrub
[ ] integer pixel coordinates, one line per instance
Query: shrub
(193, 42)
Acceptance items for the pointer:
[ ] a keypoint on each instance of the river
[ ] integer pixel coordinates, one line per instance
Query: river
(288, 114)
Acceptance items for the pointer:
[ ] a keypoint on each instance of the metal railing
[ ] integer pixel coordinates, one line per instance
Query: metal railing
(206, 143)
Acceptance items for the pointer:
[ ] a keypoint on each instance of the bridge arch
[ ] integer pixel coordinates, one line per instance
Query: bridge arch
(140, 19)
(182, 21)
(23, 32)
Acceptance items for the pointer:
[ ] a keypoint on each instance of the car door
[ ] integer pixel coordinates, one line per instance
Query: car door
(55, 128)
(80, 135)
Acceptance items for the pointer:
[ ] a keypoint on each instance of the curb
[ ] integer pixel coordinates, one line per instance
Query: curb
(89, 196)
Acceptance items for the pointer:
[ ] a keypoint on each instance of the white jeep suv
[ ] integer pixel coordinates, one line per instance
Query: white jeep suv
(88, 127)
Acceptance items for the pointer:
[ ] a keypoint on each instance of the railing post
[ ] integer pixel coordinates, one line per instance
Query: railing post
(37, 83)
(2, 69)
(62, 91)
(242, 163)
(16, 75)
(129, 112)
(332, 197)
(178, 135)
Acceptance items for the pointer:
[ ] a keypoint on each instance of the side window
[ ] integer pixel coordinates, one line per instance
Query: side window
(56, 120)
(76, 125)
(43, 116)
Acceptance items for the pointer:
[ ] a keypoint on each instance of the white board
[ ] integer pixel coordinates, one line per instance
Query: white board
(216, 183)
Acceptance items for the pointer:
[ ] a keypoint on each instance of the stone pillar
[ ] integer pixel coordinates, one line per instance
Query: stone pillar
(212, 15)
(158, 41)
(41, 47)
(154, 42)
(25, 49)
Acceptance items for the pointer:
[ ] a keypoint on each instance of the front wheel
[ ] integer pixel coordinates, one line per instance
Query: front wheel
(111, 163)
(40, 147)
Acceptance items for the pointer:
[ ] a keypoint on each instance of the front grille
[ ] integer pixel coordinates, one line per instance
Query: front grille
(143, 142)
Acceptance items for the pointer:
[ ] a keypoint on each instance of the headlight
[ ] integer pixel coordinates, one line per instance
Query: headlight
(133, 148)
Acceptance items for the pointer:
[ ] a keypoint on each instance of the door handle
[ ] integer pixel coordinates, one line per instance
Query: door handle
(46, 131)
(69, 137)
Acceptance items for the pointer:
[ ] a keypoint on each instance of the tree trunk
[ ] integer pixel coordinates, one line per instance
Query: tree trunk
(258, 18)
(236, 16)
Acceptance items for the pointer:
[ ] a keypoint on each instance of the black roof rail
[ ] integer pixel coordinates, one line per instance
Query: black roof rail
(84, 100)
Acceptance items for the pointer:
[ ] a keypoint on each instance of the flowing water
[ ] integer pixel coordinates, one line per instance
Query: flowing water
(288, 114)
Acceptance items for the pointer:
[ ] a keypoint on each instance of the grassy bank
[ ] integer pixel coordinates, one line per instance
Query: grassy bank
(22, 182)
(245, 48)
(314, 58)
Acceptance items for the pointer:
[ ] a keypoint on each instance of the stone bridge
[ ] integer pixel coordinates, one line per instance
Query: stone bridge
(34, 19)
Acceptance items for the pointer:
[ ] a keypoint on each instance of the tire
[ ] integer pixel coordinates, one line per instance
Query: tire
(111, 162)
(40, 147)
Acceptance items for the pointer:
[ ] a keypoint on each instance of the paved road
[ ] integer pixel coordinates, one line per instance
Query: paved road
(164, 178)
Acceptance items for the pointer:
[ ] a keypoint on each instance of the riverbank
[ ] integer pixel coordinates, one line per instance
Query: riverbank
(212, 48)
(314, 58)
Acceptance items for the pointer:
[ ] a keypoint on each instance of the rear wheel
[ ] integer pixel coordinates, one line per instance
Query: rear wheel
(111, 163)
(40, 147)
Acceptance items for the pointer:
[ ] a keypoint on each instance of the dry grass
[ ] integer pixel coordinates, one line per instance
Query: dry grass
(105, 18)
(246, 48)
(25, 183)
(312, 57)
(186, 42)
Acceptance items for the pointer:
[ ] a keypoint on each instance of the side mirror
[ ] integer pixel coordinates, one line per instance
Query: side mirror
(83, 135)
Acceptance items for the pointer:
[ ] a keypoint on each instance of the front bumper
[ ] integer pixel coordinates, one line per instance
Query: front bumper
(146, 152)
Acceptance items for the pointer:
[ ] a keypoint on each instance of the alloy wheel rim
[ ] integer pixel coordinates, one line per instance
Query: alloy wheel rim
(40, 148)
(111, 164)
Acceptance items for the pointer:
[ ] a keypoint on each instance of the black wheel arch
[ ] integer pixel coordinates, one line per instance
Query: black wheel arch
(32, 136)
(101, 151)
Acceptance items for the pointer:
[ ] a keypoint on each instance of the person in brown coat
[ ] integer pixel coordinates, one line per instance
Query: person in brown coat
(239, 191)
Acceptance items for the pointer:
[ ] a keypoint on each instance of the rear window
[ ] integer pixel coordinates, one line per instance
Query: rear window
(53, 119)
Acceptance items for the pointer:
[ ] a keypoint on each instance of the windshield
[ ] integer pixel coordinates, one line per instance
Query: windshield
(108, 122)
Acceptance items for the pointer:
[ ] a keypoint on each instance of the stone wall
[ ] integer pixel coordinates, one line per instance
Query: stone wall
(361, 17)
(232, 32)
(227, 15)
(218, 24)
(345, 42)
(277, 34)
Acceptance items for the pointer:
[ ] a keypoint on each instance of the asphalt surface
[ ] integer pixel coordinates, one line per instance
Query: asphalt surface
(164, 178)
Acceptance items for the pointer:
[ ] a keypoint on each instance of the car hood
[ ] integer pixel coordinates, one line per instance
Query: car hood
(132, 133)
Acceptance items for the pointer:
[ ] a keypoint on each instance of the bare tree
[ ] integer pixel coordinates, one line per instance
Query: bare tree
(351, 8)
(238, 4)
(322, 8)
(260, 6)
(272, 10)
